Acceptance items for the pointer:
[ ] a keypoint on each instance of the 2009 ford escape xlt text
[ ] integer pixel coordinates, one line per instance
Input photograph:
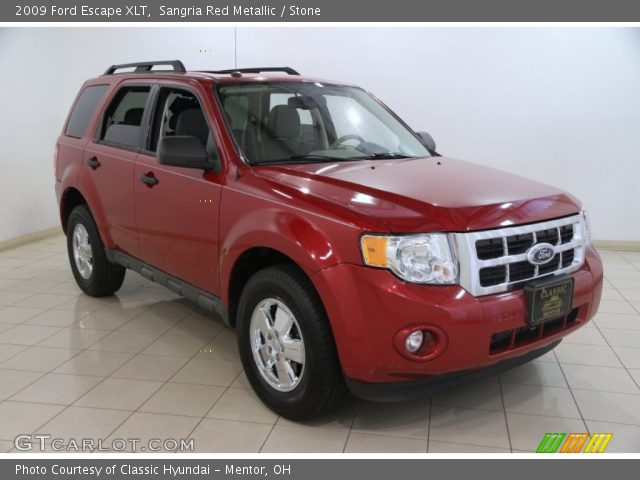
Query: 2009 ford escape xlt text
(346, 252)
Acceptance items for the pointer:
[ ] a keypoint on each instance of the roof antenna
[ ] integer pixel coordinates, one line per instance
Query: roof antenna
(235, 47)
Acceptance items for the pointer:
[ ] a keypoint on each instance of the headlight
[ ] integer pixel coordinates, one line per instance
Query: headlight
(426, 258)
(586, 225)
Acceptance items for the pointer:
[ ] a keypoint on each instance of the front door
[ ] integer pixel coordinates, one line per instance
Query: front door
(177, 208)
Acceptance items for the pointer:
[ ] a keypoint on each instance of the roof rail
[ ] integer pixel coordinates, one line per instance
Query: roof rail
(239, 71)
(145, 67)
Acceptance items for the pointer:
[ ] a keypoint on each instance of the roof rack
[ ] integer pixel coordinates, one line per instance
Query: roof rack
(236, 72)
(145, 67)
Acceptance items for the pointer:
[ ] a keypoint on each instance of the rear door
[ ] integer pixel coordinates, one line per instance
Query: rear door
(108, 170)
(177, 208)
(70, 146)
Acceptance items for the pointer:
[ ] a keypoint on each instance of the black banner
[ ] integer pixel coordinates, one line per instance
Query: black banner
(319, 11)
(316, 469)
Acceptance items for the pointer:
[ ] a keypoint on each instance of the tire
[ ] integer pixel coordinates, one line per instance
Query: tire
(320, 386)
(96, 277)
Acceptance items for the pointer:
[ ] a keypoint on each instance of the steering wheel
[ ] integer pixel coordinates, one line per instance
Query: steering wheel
(344, 138)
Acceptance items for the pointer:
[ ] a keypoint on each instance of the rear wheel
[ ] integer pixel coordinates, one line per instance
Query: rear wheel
(94, 274)
(286, 345)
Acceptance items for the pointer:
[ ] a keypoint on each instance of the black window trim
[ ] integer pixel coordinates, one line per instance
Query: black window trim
(152, 111)
(143, 125)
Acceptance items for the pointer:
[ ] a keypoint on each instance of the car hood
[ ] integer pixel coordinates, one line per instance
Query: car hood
(427, 194)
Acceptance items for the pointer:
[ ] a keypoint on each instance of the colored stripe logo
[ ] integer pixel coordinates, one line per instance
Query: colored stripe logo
(550, 442)
(598, 443)
(574, 443)
(557, 442)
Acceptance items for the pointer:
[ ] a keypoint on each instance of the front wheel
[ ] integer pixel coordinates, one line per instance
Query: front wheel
(286, 345)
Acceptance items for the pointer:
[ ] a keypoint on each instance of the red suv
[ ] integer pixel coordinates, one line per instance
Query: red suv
(346, 252)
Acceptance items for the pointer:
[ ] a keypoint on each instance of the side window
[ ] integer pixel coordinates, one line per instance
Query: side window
(83, 109)
(178, 112)
(283, 99)
(122, 120)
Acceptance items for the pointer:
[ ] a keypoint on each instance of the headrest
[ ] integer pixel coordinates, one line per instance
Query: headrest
(133, 116)
(123, 134)
(192, 122)
(284, 121)
(178, 105)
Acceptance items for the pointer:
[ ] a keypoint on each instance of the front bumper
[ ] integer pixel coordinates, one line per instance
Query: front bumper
(423, 387)
(367, 307)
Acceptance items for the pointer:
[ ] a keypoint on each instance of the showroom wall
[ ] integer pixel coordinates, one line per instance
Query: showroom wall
(42, 71)
(558, 105)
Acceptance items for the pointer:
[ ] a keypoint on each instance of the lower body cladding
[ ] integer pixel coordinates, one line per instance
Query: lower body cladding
(464, 337)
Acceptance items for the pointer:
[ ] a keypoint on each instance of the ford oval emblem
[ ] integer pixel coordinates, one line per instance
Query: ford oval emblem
(541, 253)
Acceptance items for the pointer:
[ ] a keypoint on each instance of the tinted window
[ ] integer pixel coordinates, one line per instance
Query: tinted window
(179, 113)
(122, 120)
(236, 108)
(83, 109)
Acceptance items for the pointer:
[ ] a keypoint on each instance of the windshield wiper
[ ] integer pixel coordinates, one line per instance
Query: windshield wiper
(300, 159)
(312, 158)
(381, 156)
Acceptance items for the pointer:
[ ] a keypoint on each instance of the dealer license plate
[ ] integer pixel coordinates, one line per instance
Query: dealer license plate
(549, 298)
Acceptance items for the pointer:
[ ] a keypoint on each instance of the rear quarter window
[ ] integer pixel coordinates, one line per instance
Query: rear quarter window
(83, 109)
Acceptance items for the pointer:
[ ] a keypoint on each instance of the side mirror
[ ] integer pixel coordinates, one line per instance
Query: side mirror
(183, 151)
(427, 141)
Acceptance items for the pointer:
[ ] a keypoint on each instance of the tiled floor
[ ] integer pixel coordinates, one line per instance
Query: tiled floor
(147, 364)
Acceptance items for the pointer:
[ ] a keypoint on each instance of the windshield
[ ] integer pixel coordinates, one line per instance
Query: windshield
(295, 122)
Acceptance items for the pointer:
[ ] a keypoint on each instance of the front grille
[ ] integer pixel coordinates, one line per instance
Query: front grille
(550, 267)
(490, 248)
(519, 243)
(549, 235)
(567, 258)
(497, 260)
(566, 233)
(493, 275)
(521, 271)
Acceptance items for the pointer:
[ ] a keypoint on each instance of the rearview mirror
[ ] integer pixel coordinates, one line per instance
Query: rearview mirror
(183, 151)
(427, 141)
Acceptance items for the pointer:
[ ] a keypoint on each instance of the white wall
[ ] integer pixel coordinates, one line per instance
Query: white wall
(559, 105)
(42, 70)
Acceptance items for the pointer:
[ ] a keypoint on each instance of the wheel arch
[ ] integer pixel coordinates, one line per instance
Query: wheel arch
(262, 237)
(246, 264)
(71, 198)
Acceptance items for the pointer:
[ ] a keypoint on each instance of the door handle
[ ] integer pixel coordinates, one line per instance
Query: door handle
(93, 163)
(149, 179)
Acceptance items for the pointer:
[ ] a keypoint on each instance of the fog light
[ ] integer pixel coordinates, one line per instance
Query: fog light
(414, 341)
(420, 343)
